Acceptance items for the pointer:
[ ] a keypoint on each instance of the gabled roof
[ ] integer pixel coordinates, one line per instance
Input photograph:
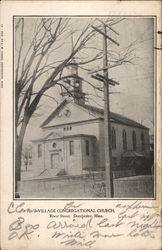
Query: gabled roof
(114, 117)
(55, 112)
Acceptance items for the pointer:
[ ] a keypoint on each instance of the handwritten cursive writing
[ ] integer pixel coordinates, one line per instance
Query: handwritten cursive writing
(105, 223)
(64, 224)
(97, 234)
(78, 234)
(81, 231)
(72, 205)
(135, 205)
(74, 242)
(19, 229)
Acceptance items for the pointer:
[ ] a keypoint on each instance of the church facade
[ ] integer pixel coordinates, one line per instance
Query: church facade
(73, 138)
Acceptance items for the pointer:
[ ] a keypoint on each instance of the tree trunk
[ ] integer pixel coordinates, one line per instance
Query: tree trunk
(18, 153)
(20, 138)
(18, 150)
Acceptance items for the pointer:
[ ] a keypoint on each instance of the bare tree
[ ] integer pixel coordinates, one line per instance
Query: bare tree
(40, 61)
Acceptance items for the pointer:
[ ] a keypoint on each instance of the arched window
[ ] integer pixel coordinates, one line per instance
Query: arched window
(113, 138)
(124, 140)
(142, 141)
(134, 140)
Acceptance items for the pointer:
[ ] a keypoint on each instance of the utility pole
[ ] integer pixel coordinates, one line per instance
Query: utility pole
(107, 127)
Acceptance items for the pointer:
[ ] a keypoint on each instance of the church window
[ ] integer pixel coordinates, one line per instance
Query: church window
(71, 147)
(39, 150)
(124, 140)
(142, 141)
(87, 147)
(113, 138)
(134, 140)
(30, 155)
(54, 145)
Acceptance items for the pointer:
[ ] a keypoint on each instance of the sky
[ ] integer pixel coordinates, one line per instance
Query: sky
(134, 96)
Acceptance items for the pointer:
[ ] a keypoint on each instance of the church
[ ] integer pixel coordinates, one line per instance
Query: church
(73, 137)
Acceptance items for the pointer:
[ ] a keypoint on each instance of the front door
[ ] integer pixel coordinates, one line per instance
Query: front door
(55, 162)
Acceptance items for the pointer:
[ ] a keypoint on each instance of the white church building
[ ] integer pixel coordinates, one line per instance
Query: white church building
(73, 137)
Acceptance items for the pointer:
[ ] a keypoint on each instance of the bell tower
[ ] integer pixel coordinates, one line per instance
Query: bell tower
(73, 84)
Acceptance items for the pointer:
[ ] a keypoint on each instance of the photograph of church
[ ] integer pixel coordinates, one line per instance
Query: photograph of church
(73, 138)
(84, 107)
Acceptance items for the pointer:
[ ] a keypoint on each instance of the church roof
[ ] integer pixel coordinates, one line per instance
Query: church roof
(114, 117)
(56, 111)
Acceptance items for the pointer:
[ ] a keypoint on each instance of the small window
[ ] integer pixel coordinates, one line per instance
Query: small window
(113, 138)
(142, 141)
(87, 147)
(39, 150)
(30, 155)
(124, 140)
(71, 147)
(134, 140)
(54, 145)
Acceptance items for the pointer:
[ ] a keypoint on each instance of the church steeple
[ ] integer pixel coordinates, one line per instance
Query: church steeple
(73, 84)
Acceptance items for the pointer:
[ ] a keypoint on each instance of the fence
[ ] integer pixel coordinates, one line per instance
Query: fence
(86, 186)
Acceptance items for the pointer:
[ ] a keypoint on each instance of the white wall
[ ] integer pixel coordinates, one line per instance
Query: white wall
(88, 128)
(88, 161)
(74, 163)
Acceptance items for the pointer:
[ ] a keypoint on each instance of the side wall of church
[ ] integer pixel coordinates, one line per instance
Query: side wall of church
(118, 151)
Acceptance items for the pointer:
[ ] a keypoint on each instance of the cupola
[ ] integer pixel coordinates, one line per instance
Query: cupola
(73, 83)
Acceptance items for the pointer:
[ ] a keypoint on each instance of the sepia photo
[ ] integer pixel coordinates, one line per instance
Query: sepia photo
(84, 107)
(81, 125)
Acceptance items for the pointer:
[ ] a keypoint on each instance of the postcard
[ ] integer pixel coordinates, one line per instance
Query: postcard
(81, 125)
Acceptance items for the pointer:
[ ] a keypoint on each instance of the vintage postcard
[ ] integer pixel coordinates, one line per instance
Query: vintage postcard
(81, 125)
